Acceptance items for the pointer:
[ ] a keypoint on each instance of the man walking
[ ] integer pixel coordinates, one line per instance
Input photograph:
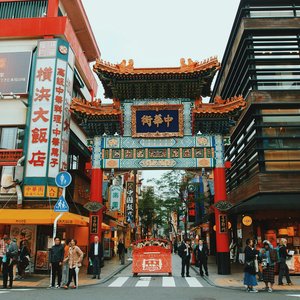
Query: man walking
(184, 251)
(201, 253)
(121, 252)
(56, 261)
(9, 260)
(96, 254)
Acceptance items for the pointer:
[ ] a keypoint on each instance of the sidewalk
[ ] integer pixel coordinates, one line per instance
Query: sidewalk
(111, 267)
(235, 279)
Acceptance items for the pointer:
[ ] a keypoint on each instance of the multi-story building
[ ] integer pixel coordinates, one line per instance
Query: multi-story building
(45, 51)
(261, 63)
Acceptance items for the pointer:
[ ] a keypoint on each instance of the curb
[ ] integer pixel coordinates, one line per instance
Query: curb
(211, 283)
(105, 279)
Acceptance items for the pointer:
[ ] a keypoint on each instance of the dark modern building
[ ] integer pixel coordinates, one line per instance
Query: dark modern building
(262, 63)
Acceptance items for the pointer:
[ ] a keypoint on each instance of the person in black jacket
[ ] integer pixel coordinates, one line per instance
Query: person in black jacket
(96, 255)
(121, 252)
(184, 251)
(56, 261)
(283, 268)
(251, 255)
(24, 256)
(201, 254)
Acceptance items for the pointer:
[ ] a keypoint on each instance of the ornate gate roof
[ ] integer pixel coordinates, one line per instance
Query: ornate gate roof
(191, 79)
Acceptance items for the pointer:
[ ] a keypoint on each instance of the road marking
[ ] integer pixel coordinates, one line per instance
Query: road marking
(193, 282)
(168, 282)
(3, 292)
(143, 282)
(119, 282)
(291, 295)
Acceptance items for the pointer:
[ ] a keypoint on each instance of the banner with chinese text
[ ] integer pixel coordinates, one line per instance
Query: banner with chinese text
(157, 120)
(49, 116)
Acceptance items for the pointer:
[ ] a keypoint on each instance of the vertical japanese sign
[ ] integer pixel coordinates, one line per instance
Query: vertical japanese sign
(49, 128)
(129, 209)
(67, 114)
(223, 223)
(115, 197)
(57, 118)
(42, 98)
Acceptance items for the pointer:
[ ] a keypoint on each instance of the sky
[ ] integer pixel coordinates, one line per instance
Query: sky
(157, 33)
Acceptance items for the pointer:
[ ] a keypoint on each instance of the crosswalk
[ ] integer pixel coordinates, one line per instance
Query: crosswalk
(13, 290)
(170, 282)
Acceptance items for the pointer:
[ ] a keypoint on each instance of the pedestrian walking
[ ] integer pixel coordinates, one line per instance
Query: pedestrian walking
(9, 260)
(201, 254)
(75, 257)
(24, 258)
(283, 268)
(251, 266)
(268, 258)
(2, 250)
(96, 255)
(65, 269)
(56, 261)
(175, 245)
(184, 251)
(121, 252)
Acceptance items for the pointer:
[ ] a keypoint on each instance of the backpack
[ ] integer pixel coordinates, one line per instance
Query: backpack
(274, 255)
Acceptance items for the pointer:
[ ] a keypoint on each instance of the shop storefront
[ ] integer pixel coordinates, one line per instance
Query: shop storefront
(272, 226)
(37, 227)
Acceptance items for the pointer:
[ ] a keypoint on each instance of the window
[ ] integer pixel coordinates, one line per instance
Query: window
(11, 138)
(73, 162)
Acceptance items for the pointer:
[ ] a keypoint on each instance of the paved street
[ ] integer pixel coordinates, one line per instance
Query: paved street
(124, 286)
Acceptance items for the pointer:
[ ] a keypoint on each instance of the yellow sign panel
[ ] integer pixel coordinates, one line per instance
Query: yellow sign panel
(52, 191)
(247, 221)
(34, 191)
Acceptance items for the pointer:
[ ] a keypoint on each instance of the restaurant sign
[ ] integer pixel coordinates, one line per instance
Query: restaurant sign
(50, 99)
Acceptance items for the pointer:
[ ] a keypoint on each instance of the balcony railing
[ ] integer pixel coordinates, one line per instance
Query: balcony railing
(10, 157)
(23, 9)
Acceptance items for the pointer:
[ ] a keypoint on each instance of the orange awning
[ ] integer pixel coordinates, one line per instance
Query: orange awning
(40, 217)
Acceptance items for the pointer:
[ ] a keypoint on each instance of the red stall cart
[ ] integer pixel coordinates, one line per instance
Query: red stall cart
(152, 256)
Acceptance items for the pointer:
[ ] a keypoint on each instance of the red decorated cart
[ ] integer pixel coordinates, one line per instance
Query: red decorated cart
(152, 256)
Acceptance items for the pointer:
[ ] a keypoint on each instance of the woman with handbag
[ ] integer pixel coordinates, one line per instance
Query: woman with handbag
(268, 257)
(251, 266)
(74, 258)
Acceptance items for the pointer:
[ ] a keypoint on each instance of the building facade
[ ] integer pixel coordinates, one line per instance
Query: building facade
(261, 63)
(45, 51)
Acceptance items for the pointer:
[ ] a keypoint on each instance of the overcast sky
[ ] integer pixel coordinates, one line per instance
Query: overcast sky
(158, 33)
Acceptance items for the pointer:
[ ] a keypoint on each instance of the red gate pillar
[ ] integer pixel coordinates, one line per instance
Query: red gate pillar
(96, 190)
(222, 239)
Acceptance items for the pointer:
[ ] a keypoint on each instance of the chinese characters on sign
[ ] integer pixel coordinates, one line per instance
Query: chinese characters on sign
(129, 202)
(34, 191)
(57, 118)
(223, 223)
(66, 119)
(94, 224)
(40, 118)
(115, 197)
(157, 121)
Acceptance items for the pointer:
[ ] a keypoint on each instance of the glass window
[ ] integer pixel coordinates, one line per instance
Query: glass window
(271, 13)
(8, 138)
(268, 120)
